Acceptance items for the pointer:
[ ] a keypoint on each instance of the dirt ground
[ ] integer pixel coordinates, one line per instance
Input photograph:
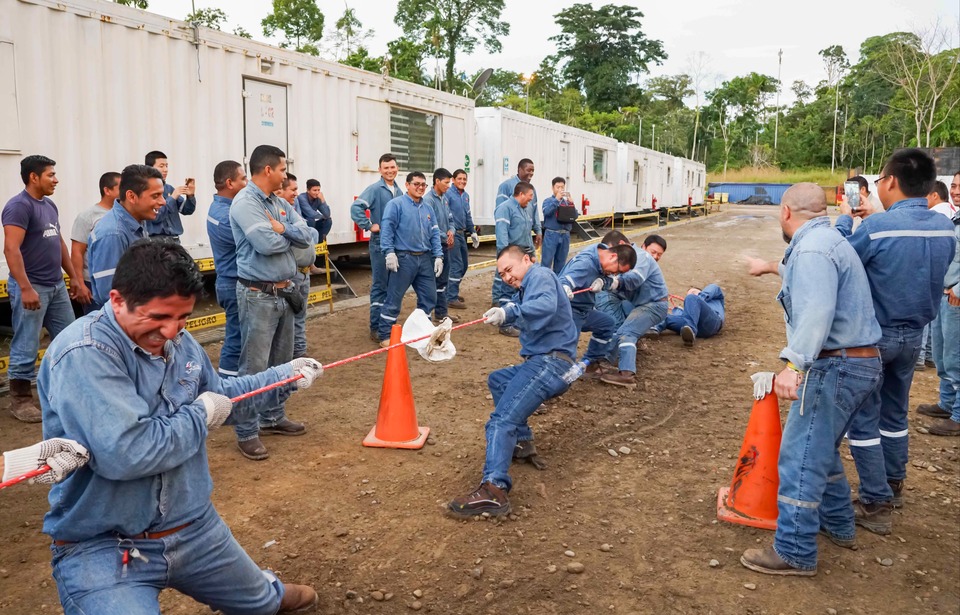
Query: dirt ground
(353, 521)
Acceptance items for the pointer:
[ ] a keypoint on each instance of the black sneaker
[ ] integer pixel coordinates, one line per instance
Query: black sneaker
(687, 335)
(488, 498)
(897, 486)
(875, 516)
(510, 331)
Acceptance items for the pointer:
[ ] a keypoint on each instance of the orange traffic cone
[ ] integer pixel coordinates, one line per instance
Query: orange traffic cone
(751, 498)
(397, 418)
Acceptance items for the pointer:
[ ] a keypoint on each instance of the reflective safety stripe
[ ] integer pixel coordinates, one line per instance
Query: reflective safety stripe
(104, 273)
(213, 220)
(797, 503)
(385, 317)
(627, 345)
(376, 304)
(507, 220)
(863, 443)
(455, 279)
(227, 372)
(895, 434)
(440, 290)
(906, 233)
(362, 202)
(597, 339)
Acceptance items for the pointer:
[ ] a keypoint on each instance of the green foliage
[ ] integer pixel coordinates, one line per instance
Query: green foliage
(242, 32)
(349, 35)
(501, 85)
(361, 58)
(300, 21)
(405, 60)
(137, 4)
(207, 17)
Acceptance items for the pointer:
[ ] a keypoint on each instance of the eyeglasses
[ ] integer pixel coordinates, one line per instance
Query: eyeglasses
(419, 184)
(877, 181)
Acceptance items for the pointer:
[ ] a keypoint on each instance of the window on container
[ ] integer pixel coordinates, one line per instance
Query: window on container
(669, 176)
(413, 139)
(599, 164)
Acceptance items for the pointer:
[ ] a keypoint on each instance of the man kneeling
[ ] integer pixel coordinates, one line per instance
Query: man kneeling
(548, 344)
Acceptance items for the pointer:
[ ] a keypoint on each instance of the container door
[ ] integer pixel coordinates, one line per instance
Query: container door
(638, 180)
(373, 133)
(264, 117)
(454, 139)
(565, 160)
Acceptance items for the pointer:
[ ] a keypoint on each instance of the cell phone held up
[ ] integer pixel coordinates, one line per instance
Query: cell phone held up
(851, 191)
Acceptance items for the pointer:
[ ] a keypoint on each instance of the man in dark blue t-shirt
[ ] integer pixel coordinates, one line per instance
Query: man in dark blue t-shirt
(35, 253)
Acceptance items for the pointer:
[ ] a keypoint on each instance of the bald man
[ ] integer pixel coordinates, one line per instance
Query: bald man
(832, 367)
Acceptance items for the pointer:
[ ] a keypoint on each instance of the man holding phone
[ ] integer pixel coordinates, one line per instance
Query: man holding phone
(558, 216)
(179, 200)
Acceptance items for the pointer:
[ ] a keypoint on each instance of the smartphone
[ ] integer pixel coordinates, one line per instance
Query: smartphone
(852, 192)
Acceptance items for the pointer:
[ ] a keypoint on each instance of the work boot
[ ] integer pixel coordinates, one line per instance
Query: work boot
(897, 487)
(374, 336)
(875, 517)
(687, 335)
(509, 331)
(652, 333)
(457, 304)
(846, 543)
(298, 599)
(253, 449)
(384, 343)
(932, 410)
(22, 405)
(768, 561)
(285, 427)
(619, 378)
(594, 371)
(488, 498)
(526, 452)
(945, 427)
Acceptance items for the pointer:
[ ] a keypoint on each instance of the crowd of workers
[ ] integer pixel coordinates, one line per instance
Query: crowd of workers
(131, 511)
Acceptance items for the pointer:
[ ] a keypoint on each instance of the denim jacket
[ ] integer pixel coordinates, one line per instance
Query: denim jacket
(580, 272)
(374, 198)
(906, 251)
(262, 253)
(441, 208)
(543, 312)
(459, 203)
(221, 240)
(512, 225)
(825, 295)
(111, 236)
(136, 413)
(644, 283)
(410, 227)
(168, 220)
(505, 191)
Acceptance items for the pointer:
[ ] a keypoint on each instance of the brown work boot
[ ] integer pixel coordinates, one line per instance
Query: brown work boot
(488, 498)
(945, 427)
(253, 449)
(457, 304)
(932, 410)
(594, 371)
(687, 335)
(285, 427)
(875, 516)
(768, 561)
(22, 405)
(298, 599)
(374, 336)
(619, 378)
(897, 487)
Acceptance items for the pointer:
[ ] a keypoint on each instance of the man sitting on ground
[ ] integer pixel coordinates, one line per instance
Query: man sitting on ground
(702, 315)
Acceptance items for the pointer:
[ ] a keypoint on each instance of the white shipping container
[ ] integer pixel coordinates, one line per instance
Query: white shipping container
(588, 161)
(689, 176)
(95, 85)
(645, 178)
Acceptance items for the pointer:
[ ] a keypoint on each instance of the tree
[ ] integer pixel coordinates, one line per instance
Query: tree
(137, 4)
(501, 85)
(801, 91)
(672, 89)
(208, 18)
(361, 58)
(300, 21)
(349, 34)
(242, 32)
(449, 27)
(836, 64)
(697, 70)
(404, 60)
(603, 50)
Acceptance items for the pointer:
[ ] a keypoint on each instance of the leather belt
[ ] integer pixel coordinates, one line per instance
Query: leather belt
(860, 352)
(553, 230)
(413, 253)
(270, 288)
(140, 536)
(556, 354)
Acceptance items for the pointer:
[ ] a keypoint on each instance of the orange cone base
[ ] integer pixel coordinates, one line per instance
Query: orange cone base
(373, 441)
(730, 515)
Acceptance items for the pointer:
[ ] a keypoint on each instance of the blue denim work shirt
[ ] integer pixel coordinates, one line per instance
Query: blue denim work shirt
(222, 243)
(550, 222)
(263, 254)
(644, 283)
(512, 225)
(580, 272)
(373, 198)
(825, 295)
(409, 226)
(109, 239)
(543, 313)
(168, 220)
(136, 413)
(459, 203)
(505, 191)
(906, 251)
(441, 209)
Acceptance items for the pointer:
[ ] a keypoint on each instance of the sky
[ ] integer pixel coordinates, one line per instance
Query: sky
(737, 36)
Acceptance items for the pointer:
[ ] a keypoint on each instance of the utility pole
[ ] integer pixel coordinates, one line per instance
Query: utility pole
(836, 114)
(653, 138)
(776, 122)
(640, 134)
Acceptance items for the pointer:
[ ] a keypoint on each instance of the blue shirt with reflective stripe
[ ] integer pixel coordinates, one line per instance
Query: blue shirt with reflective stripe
(541, 309)
(168, 220)
(580, 272)
(263, 254)
(644, 283)
(512, 225)
(550, 222)
(109, 239)
(441, 210)
(136, 413)
(374, 198)
(409, 226)
(459, 203)
(221, 240)
(505, 191)
(906, 252)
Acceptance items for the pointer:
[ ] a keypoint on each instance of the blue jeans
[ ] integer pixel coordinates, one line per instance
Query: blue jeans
(602, 328)
(378, 286)
(302, 280)
(517, 392)
(556, 247)
(879, 434)
(93, 306)
(415, 270)
(696, 315)
(926, 346)
(814, 492)
(501, 292)
(638, 321)
(458, 265)
(442, 282)
(323, 227)
(266, 333)
(230, 353)
(945, 331)
(55, 313)
(203, 561)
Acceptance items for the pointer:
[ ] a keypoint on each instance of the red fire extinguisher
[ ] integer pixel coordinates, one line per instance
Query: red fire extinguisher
(584, 203)
(689, 200)
(654, 202)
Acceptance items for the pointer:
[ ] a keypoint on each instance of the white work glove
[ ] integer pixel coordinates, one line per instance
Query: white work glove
(218, 408)
(62, 455)
(310, 369)
(475, 239)
(495, 316)
(393, 263)
(615, 282)
(597, 285)
(762, 384)
(569, 292)
(437, 267)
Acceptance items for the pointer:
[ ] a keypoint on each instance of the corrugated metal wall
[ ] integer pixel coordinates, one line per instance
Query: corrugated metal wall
(743, 191)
